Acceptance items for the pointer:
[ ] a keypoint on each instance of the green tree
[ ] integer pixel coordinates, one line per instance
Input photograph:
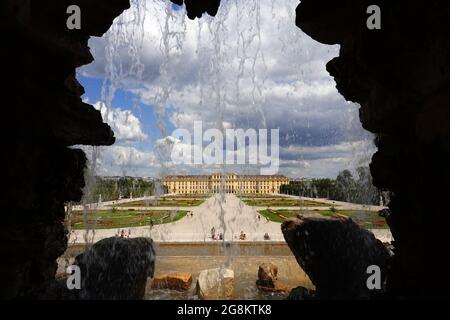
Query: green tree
(345, 186)
(367, 193)
(112, 189)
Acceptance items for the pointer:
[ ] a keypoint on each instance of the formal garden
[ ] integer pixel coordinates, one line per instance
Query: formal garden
(165, 202)
(115, 218)
(366, 219)
(279, 201)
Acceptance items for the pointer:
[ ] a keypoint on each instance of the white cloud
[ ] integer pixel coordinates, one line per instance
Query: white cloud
(123, 160)
(343, 149)
(325, 161)
(255, 70)
(126, 126)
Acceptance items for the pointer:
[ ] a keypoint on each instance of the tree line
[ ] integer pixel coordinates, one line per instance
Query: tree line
(124, 187)
(345, 187)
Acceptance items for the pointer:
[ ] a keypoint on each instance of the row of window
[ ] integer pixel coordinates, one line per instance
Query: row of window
(240, 183)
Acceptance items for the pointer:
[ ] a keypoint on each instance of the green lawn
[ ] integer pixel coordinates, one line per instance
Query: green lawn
(164, 202)
(366, 219)
(111, 219)
(271, 216)
(282, 202)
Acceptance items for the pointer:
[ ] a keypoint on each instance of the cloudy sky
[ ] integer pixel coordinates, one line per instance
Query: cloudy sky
(249, 67)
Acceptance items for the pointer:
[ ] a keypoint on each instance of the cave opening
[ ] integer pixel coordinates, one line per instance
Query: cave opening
(249, 67)
(223, 75)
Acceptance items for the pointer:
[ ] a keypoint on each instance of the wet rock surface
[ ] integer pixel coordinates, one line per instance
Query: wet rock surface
(267, 273)
(335, 253)
(174, 281)
(116, 268)
(301, 293)
(215, 284)
(268, 279)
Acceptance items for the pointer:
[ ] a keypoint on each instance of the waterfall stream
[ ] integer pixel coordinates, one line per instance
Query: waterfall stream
(238, 69)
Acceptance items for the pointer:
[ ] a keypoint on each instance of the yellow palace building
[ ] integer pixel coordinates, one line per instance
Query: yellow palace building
(229, 182)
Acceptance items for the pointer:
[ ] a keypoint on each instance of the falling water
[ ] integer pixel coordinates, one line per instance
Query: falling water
(125, 35)
(234, 83)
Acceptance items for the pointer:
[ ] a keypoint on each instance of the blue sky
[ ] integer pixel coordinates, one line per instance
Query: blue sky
(257, 71)
(127, 101)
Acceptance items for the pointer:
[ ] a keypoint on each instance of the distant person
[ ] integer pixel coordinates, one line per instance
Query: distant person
(220, 236)
(75, 238)
(122, 234)
(213, 232)
(266, 236)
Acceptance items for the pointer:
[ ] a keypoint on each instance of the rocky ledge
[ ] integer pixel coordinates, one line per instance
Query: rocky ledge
(336, 253)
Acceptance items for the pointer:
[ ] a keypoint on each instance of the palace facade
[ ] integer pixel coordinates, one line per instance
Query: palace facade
(228, 182)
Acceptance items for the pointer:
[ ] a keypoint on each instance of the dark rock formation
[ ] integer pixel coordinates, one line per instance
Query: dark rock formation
(116, 269)
(196, 8)
(400, 76)
(43, 116)
(301, 293)
(335, 253)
